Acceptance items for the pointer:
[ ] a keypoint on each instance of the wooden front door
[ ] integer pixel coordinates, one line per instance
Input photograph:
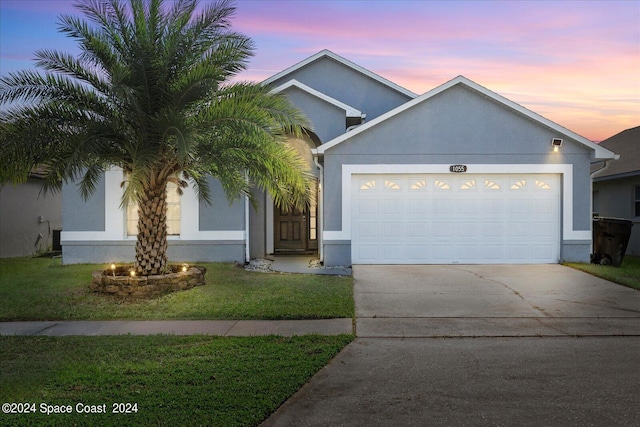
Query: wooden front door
(290, 230)
(295, 230)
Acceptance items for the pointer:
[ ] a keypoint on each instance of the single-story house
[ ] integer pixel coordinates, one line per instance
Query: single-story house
(459, 174)
(616, 185)
(30, 220)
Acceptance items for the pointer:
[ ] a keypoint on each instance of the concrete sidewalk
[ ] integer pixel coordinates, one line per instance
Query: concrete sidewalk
(226, 328)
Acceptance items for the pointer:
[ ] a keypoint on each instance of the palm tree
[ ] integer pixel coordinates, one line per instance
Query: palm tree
(150, 93)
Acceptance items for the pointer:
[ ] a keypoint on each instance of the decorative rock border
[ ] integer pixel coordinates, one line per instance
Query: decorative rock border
(119, 283)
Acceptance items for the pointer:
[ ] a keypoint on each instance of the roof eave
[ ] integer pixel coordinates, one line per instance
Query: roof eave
(349, 110)
(343, 61)
(617, 176)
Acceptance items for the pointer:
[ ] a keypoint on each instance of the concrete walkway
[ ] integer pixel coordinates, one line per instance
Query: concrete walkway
(227, 328)
(305, 264)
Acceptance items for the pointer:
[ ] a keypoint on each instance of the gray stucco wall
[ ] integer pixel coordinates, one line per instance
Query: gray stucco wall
(458, 126)
(97, 252)
(81, 215)
(616, 199)
(328, 120)
(220, 214)
(347, 85)
(20, 209)
(258, 227)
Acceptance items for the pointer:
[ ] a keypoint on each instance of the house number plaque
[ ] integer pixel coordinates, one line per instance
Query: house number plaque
(458, 168)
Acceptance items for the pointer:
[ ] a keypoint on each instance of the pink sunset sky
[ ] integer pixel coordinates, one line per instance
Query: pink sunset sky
(575, 62)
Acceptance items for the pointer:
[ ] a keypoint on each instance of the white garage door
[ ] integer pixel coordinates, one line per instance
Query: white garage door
(455, 218)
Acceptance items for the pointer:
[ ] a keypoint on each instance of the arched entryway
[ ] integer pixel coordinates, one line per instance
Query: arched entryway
(296, 231)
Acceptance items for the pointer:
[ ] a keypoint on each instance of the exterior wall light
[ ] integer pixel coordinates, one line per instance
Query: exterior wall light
(556, 143)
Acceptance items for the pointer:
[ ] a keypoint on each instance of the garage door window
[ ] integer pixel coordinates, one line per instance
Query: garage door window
(542, 185)
(518, 185)
(441, 185)
(469, 185)
(491, 185)
(391, 185)
(420, 184)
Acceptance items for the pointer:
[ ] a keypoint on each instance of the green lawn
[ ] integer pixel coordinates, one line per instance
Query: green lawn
(627, 274)
(172, 380)
(42, 289)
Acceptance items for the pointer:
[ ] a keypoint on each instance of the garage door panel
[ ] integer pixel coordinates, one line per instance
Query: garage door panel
(469, 253)
(542, 252)
(493, 252)
(468, 230)
(492, 230)
(368, 230)
(542, 230)
(367, 252)
(393, 207)
(442, 229)
(417, 230)
(418, 207)
(468, 206)
(447, 219)
(492, 206)
(393, 231)
(443, 208)
(442, 253)
(366, 207)
(418, 254)
(393, 253)
(542, 207)
(517, 253)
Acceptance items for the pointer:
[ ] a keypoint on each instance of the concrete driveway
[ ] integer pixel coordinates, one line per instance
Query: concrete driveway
(480, 346)
(490, 300)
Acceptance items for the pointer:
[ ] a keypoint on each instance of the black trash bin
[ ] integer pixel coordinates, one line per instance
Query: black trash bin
(610, 239)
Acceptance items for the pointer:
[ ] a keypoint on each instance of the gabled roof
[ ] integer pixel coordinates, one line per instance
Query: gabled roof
(600, 153)
(328, 54)
(627, 145)
(349, 110)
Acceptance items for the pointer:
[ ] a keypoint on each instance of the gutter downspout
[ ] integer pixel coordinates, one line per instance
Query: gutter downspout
(605, 163)
(314, 152)
(247, 253)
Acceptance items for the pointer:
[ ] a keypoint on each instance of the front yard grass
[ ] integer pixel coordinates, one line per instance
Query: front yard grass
(172, 380)
(628, 274)
(42, 289)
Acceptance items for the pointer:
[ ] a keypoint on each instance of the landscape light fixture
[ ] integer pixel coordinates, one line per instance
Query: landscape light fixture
(556, 143)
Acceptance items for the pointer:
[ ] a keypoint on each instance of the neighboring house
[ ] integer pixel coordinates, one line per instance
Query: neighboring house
(457, 175)
(29, 220)
(616, 185)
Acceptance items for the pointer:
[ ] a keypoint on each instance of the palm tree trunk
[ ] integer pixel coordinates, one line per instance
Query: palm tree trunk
(151, 244)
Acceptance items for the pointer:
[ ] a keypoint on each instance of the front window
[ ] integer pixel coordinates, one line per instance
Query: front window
(173, 213)
(637, 201)
(313, 216)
